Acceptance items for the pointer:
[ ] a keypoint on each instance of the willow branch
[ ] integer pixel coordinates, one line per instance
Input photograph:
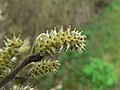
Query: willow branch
(32, 58)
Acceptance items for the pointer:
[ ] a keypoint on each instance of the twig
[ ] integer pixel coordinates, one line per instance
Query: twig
(32, 58)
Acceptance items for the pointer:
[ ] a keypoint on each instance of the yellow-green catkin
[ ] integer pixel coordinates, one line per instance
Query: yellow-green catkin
(44, 67)
(8, 52)
(54, 42)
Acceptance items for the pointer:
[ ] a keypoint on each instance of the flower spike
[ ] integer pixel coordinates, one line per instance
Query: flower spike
(11, 48)
(44, 67)
(53, 42)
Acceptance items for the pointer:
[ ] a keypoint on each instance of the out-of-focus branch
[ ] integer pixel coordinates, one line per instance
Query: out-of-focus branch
(28, 60)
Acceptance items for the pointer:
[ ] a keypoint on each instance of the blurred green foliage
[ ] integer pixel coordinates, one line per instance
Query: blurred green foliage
(103, 34)
(100, 74)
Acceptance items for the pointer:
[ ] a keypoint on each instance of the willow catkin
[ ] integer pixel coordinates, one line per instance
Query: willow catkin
(54, 42)
(44, 67)
(11, 48)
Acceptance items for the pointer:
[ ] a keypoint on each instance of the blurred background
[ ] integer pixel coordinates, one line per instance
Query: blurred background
(97, 68)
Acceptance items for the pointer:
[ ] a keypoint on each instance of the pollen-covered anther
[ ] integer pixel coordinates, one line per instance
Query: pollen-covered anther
(44, 67)
(55, 42)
